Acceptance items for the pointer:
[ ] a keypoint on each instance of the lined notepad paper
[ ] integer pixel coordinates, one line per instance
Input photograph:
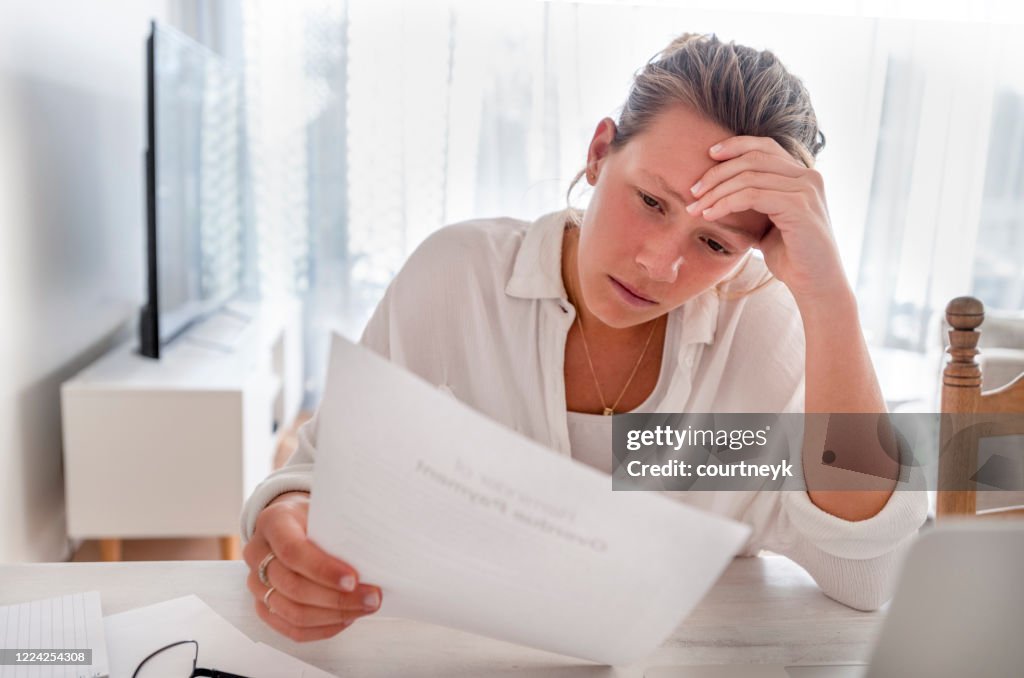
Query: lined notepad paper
(66, 622)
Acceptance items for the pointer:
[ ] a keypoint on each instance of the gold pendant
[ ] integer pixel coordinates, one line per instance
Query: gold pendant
(608, 412)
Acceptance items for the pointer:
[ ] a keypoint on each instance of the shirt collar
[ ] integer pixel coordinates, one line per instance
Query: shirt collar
(699, 318)
(537, 274)
(537, 271)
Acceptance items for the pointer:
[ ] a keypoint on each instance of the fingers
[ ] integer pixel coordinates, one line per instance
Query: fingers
(757, 187)
(294, 613)
(285, 535)
(314, 595)
(365, 598)
(736, 146)
(770, 202)
(751, 162)
(302, 609)
(310, 561)
(755, 173)
(756, 162)
(296, 633)
(255, 550)
(301, 615)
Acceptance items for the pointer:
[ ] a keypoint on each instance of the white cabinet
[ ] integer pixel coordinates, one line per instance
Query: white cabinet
(172, 447)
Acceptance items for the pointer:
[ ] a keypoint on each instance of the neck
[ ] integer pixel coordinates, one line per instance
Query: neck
(595, 329)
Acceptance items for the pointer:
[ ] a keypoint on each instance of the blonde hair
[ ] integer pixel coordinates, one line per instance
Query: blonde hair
(743, 90)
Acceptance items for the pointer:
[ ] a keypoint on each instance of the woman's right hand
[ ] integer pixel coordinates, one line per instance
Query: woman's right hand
(315, 595)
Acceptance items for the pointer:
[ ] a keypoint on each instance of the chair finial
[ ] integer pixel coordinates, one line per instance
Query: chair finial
(965, 313)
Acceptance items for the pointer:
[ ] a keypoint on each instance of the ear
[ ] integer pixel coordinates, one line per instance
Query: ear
(600, 144)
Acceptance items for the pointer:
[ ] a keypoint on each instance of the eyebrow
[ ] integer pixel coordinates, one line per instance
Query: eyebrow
(737, 231)
(665, 187)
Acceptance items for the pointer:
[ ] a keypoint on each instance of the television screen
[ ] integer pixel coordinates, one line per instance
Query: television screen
(195, 235)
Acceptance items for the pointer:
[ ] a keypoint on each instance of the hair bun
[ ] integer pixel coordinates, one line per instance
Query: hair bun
(744, 90)
(686, 38)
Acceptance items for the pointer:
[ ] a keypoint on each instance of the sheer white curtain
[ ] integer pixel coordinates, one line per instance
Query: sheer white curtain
(939, 136)
(373, 123)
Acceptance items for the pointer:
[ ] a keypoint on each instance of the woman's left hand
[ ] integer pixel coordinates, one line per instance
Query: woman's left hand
(756, 173)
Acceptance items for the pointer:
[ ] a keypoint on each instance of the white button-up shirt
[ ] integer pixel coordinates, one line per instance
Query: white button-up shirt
(479, 310)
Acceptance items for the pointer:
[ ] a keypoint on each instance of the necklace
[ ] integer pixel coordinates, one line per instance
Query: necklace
(608, 411)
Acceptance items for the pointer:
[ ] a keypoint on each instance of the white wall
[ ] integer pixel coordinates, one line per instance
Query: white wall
(71, 232)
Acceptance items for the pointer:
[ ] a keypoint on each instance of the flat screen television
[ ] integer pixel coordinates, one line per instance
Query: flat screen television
(194, 186)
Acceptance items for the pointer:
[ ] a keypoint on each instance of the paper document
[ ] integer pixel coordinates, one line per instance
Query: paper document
(68, 622)
(466, 523)
(133, 635)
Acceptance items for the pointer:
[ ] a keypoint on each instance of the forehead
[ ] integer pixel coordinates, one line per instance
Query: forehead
(675, 145)
(672, 154)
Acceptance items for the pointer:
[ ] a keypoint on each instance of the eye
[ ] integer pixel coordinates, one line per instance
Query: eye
(649, 201)
(716, 246)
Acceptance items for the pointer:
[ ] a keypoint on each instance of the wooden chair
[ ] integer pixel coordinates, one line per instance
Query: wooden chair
(964, 408)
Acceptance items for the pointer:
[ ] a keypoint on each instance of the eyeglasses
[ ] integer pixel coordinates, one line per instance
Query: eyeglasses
(182, 660)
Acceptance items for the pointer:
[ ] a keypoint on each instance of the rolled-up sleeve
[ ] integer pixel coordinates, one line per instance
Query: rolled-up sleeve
(854, 562)
(296, 474)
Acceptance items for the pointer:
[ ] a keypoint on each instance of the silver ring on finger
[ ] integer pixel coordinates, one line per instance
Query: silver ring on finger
(261, 571)
(266, 599)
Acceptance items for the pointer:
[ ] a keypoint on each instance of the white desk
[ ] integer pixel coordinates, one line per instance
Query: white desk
(763, 610)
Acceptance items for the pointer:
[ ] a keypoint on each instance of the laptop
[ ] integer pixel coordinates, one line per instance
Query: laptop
(958, 611)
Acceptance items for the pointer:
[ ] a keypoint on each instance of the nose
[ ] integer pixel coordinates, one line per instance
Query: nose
(660, 259)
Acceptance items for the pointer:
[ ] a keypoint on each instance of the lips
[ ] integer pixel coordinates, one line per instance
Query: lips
(631, 294)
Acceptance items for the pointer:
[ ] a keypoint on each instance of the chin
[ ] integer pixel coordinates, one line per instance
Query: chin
(613, 315)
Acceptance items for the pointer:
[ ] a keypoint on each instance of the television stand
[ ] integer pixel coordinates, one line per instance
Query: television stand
(172, 447)
(230, 548)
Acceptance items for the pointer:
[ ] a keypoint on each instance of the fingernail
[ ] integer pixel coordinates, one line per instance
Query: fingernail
(692, 208)
(706, 212)
(371, 601)
(696, 187)
(716, 148)
(348, 583)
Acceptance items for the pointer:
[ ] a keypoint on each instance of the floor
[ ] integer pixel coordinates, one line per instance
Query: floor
(185, 549)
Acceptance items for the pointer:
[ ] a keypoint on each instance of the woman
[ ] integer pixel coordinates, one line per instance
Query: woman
(649, 301)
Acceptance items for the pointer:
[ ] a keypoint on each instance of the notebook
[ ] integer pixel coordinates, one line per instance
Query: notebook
(47, 638)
